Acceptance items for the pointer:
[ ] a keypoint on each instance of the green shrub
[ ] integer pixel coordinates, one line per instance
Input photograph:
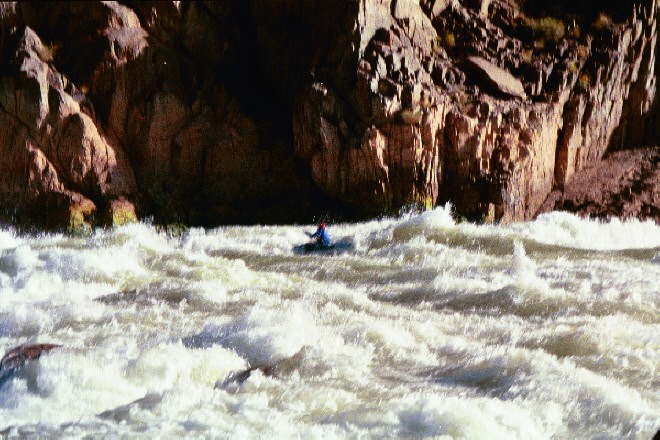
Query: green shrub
(48, 52)
(450, 40)
(584, 81)
(602, 22)
(549, 29)
(122, 217)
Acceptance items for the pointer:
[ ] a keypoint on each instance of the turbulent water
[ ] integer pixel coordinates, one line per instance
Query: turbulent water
(426, 327)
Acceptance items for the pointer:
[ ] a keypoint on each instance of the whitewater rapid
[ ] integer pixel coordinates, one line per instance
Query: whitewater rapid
(426, 328)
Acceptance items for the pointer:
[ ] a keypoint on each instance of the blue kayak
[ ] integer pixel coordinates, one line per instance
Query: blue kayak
(343, 245)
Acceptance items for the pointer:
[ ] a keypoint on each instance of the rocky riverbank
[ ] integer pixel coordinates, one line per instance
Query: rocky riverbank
(248, 111)
(624, 184)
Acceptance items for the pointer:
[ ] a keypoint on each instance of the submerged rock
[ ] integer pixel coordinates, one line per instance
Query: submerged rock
(15, 358)
(280, 368)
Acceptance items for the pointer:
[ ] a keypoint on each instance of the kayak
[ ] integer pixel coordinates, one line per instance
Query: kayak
(343, 245)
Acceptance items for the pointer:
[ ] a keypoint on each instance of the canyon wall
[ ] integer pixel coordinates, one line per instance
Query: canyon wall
(271, 111)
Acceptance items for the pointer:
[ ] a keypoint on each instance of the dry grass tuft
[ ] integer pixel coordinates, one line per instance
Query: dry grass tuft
(48, 52)
(603, 21)
(548, 29)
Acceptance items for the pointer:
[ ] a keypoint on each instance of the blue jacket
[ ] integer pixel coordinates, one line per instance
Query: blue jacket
(322, 236)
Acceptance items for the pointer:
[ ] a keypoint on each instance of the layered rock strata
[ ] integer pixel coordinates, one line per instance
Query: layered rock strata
(244, 111)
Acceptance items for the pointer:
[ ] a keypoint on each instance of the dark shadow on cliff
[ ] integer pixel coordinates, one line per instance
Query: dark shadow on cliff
(585, 11)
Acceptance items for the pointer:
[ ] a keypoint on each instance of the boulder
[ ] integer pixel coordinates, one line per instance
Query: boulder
(495, 79)
(16, 358)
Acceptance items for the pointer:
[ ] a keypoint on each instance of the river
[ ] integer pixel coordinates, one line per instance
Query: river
(427, 327)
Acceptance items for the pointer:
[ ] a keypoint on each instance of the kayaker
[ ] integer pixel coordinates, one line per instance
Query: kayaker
(321, 235)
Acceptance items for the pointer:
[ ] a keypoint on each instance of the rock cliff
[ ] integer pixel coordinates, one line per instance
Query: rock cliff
(253, 111)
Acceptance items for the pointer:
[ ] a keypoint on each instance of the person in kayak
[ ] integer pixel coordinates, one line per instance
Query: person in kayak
(321, 235)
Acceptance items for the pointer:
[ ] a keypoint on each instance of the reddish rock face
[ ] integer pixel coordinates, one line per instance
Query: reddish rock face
(241, 111)
(625, 184)
(53, 156)
(493, 134)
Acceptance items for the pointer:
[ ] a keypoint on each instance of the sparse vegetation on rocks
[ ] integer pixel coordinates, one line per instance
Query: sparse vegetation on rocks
(547, 29)
(48, 52)
(603, 21)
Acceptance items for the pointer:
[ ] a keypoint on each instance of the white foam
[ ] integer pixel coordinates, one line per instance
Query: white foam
(8, 239)
(168, 366)
(17, 261)
(431, 415)
(264, 336)
(427, 328)
(560, 228)
(64, 387)
(424, 223)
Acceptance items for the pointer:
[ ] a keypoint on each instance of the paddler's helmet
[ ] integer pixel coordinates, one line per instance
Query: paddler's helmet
(322, 225)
